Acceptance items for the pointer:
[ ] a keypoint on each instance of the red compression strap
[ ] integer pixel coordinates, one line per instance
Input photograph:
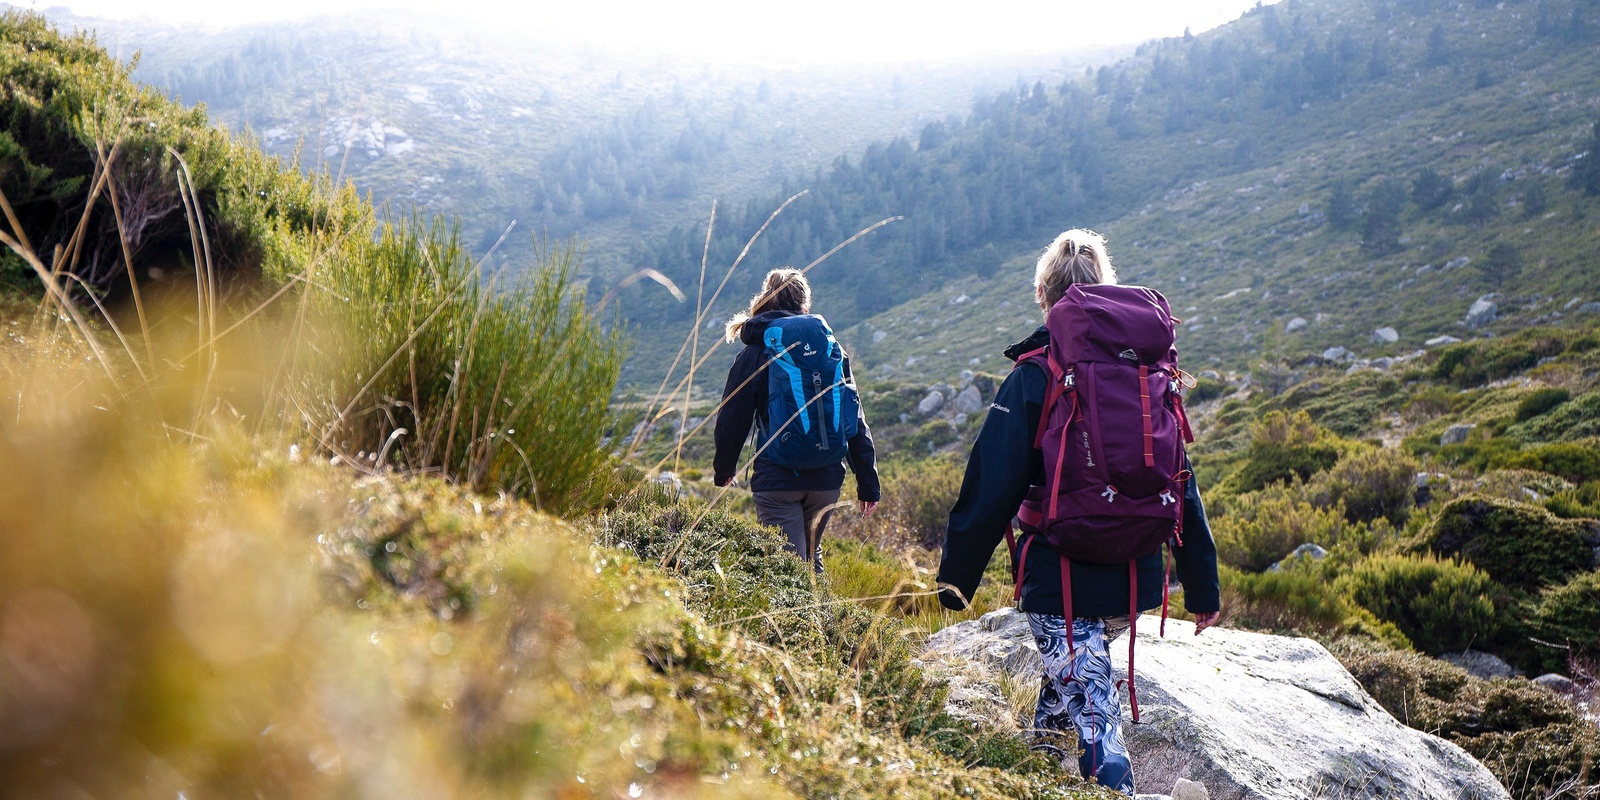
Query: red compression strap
(1061, 457)
(1066, 608)
(1183, 418)
(1022, 565)
(1144, 402)
(1052, 395)
(1133, 633)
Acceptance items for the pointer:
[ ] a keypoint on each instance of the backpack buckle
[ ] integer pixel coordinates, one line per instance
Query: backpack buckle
(1069, 380)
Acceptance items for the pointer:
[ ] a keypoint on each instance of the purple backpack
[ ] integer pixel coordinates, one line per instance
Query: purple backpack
(1112, 432)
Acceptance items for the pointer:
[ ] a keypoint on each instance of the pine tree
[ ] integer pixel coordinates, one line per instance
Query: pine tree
(1430, 189)
(1380, 233)
(1503, 264)
(1342, 210)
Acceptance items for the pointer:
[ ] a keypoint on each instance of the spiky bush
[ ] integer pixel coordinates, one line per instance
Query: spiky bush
(1284, 446)
(1516, 544)
(1440, 605)
(1370, 483)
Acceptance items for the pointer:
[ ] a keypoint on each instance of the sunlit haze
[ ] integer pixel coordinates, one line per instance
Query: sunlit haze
(729, 30)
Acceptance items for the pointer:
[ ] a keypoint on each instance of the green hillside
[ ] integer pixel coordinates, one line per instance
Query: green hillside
(1260, 172)
(498, 125)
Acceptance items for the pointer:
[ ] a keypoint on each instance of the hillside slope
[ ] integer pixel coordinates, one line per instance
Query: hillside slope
(1260, 172)
(498, 125)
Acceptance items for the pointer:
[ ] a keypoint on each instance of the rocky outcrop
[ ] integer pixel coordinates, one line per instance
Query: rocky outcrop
(1456, 434)
(1482, 312)
(1246, 714)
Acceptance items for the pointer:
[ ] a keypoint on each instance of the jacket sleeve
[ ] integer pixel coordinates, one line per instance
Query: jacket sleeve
(1196, 560)
(1002, 464)
(737, 413)
(862, 455)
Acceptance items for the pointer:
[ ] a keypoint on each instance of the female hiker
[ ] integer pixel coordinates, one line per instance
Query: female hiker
(793, 381)
(1007, 468)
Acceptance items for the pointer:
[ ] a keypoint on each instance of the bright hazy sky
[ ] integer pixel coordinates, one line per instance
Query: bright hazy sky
(798, 30)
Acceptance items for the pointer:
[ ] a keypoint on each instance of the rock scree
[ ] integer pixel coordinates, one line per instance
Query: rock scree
(1248, 715)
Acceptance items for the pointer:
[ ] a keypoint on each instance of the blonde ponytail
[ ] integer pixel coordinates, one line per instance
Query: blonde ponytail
(1076, 256)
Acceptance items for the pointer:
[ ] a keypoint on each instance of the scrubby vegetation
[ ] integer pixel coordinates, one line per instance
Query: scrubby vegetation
(284, 525)
(289, 463)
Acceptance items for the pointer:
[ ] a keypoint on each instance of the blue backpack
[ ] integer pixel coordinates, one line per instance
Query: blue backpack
(811, 410)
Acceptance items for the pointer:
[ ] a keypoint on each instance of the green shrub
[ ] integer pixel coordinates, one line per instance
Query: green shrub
(933, 435)
(1534, 742)
(1575, 419)
(1206, 389)
(885, 401)
(1584, 344)
(1496, 452)
(1439, 605)
(1541, 401)
(917, 497)
(1256, 530)
(1541, 763)
(1370, 483)
(1567, 616)
(1469, 364)
(1433, 400)
(1300, 599)
(1516, 544)
(1579, 503)
(1578, 463)
(1284, 446)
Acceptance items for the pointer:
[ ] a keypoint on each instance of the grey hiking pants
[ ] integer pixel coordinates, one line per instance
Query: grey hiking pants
(801, 514)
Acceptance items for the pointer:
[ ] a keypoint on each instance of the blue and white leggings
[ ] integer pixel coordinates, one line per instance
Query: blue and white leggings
(1079, 694)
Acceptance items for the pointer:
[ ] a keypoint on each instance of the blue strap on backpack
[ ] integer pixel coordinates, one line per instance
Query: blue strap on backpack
(811, 408)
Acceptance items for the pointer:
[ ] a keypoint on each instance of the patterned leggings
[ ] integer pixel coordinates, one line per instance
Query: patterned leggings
(1078, 694)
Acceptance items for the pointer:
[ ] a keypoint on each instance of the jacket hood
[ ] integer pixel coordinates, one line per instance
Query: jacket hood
(756, 326)
(1039, 338)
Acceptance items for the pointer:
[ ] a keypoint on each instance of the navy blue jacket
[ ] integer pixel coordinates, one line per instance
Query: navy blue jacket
(1003, 465)
(744, 401)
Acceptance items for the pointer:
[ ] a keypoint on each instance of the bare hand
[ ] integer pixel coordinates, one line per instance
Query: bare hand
(1203, 621)
(867, 507)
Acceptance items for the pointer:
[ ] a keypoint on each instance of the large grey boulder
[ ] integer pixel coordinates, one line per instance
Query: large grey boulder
(1246, 714)
(970, 401)
(1385, 336)
(1482, 312)
(1479, 664)
(933, 402)
(1456, 434)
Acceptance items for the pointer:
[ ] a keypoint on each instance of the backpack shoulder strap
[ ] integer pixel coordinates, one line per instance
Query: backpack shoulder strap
(1055, 386)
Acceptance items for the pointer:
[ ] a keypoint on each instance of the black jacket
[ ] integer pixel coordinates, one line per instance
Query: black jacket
(745, 401)
(1003, 465)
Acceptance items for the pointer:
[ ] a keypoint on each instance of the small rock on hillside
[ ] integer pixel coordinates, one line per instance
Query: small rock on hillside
(1479, 664)
(1456, 434)
(1250, 716)
(1483, 312)
(1385, 336)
